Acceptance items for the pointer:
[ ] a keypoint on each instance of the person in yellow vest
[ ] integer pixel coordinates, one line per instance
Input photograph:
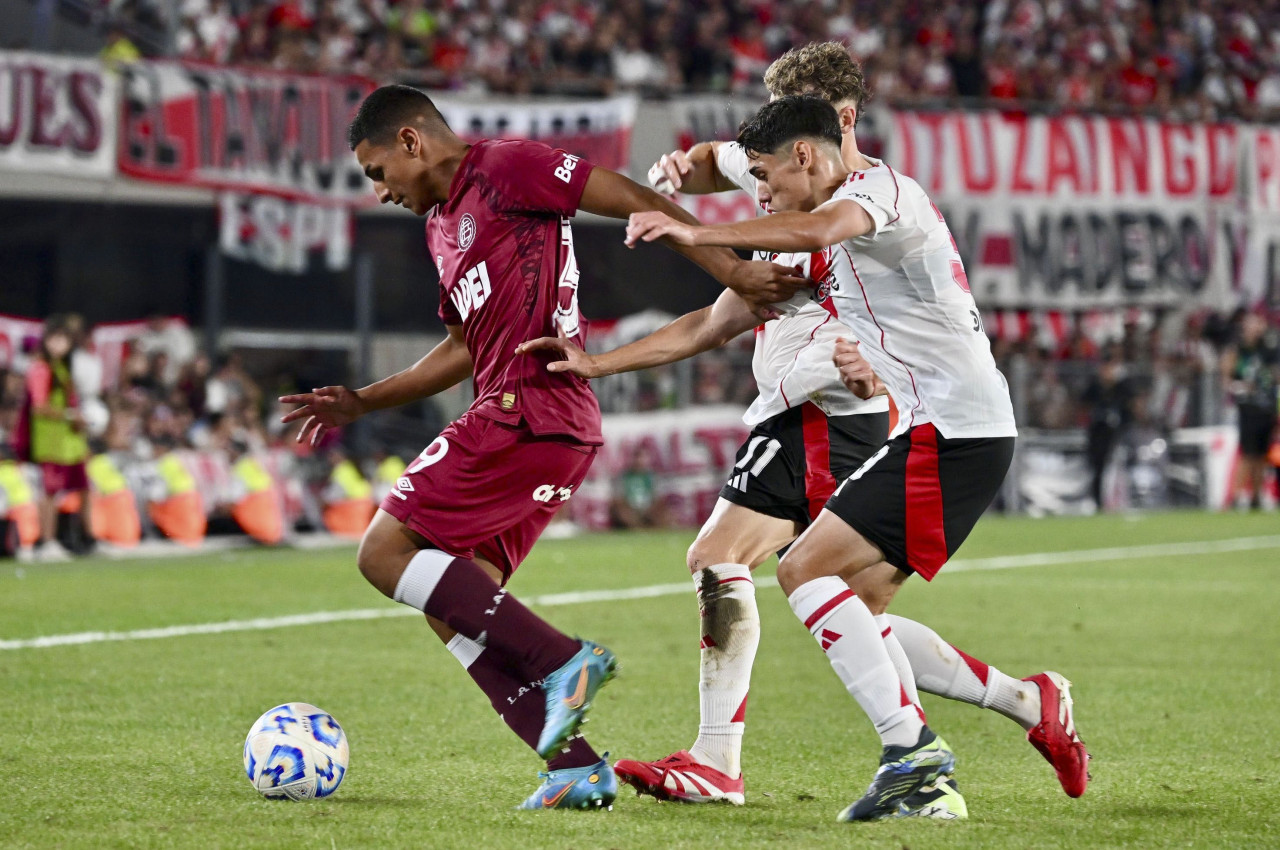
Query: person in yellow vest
(385, 475)
(52, 433)
(119, 49)
(347, 497)
(18, 512)
(255, 501)
(175, 505)
(113, 511)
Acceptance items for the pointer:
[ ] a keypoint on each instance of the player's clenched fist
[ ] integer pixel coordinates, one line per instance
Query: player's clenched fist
(855, 371)
(668, 173)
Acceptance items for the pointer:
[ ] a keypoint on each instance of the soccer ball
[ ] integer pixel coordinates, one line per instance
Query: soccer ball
(296, 751)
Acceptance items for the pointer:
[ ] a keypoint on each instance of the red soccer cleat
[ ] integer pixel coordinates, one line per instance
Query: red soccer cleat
(1055, 735)
(679, 777)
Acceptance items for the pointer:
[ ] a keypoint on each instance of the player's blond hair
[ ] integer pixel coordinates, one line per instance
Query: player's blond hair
(822, 68)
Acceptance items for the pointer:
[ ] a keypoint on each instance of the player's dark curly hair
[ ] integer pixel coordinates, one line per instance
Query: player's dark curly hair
(388, 109)
(781, 121)
(822, 68)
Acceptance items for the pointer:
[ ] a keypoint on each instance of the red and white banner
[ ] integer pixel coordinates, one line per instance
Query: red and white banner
(1086, 212)
(599, 131)
(57, 115)
(264, 131)
(255, 131)
(1071, 212)
(691, 452)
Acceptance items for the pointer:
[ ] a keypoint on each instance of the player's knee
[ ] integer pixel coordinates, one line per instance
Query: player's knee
(380, 566)
(709, 550)
(702, 554)
(792, 572)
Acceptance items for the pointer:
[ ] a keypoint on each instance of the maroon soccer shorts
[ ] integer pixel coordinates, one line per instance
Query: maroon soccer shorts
(63, 478)
(486, 489)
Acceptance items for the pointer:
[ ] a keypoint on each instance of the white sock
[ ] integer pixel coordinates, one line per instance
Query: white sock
(421, 576)
(900, 661)
(847, 632)
(465, 650)
(729, 624)
(942, 669)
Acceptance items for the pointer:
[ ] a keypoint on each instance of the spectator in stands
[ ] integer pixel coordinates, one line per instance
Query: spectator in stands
(87, 372)
(636, 503)
(1250, 368)
(1188, 58)
(1109, 399)
(52, 435)
(231, 390)
(172, 337)
(118, 49)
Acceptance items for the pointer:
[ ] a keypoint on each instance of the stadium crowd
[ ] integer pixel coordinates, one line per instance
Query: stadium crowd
(183, 445)
(177, 446)
(1192, 59)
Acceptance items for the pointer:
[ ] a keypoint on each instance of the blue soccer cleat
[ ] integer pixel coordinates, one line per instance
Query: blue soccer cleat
(903, 772)
(569, 691)
(592, 787)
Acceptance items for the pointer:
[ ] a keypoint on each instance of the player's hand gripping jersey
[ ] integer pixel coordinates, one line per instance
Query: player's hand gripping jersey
(504, 249)
(792, 360)
(903, 290)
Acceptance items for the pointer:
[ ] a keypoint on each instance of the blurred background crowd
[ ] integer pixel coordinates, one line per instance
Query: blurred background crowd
(180, 446)
(1127, 391)
(192, 445)
(1188, 59)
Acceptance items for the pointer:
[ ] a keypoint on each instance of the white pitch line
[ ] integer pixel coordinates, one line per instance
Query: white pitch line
(1032, 559)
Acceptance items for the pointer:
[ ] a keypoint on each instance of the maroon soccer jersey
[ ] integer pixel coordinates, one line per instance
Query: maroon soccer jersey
(504, 249)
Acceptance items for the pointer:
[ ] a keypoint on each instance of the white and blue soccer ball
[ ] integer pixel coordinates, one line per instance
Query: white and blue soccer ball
(296, 751)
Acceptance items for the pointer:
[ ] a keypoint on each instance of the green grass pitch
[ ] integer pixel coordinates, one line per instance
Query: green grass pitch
(137, 743)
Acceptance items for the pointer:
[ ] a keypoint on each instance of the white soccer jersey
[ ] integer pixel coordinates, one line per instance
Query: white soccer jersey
(792, 359)
(902, 289)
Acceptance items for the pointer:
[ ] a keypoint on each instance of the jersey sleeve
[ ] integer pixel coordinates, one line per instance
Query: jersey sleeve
(876, 191)
(533, 177)
(448, 311)
(733, 163)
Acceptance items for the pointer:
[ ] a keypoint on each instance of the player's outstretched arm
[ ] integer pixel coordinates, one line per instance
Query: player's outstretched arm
(332, 407)
(693, 172)
(794, 232)
(609, 193)
(692, 333)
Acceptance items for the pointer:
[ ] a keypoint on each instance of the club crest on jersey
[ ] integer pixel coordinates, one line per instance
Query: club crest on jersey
(820, 269)
(466, 231)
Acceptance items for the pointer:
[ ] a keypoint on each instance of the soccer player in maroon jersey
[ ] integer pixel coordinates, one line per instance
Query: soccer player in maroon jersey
(467, 511)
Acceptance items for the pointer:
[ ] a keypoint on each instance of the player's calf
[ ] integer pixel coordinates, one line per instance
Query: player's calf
(569, 692)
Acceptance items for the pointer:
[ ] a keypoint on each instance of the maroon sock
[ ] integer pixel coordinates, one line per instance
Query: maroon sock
(471, 603)
(522, 706)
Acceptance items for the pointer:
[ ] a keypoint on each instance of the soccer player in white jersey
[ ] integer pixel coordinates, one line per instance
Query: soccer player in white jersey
(893, 274)
(763, 506)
